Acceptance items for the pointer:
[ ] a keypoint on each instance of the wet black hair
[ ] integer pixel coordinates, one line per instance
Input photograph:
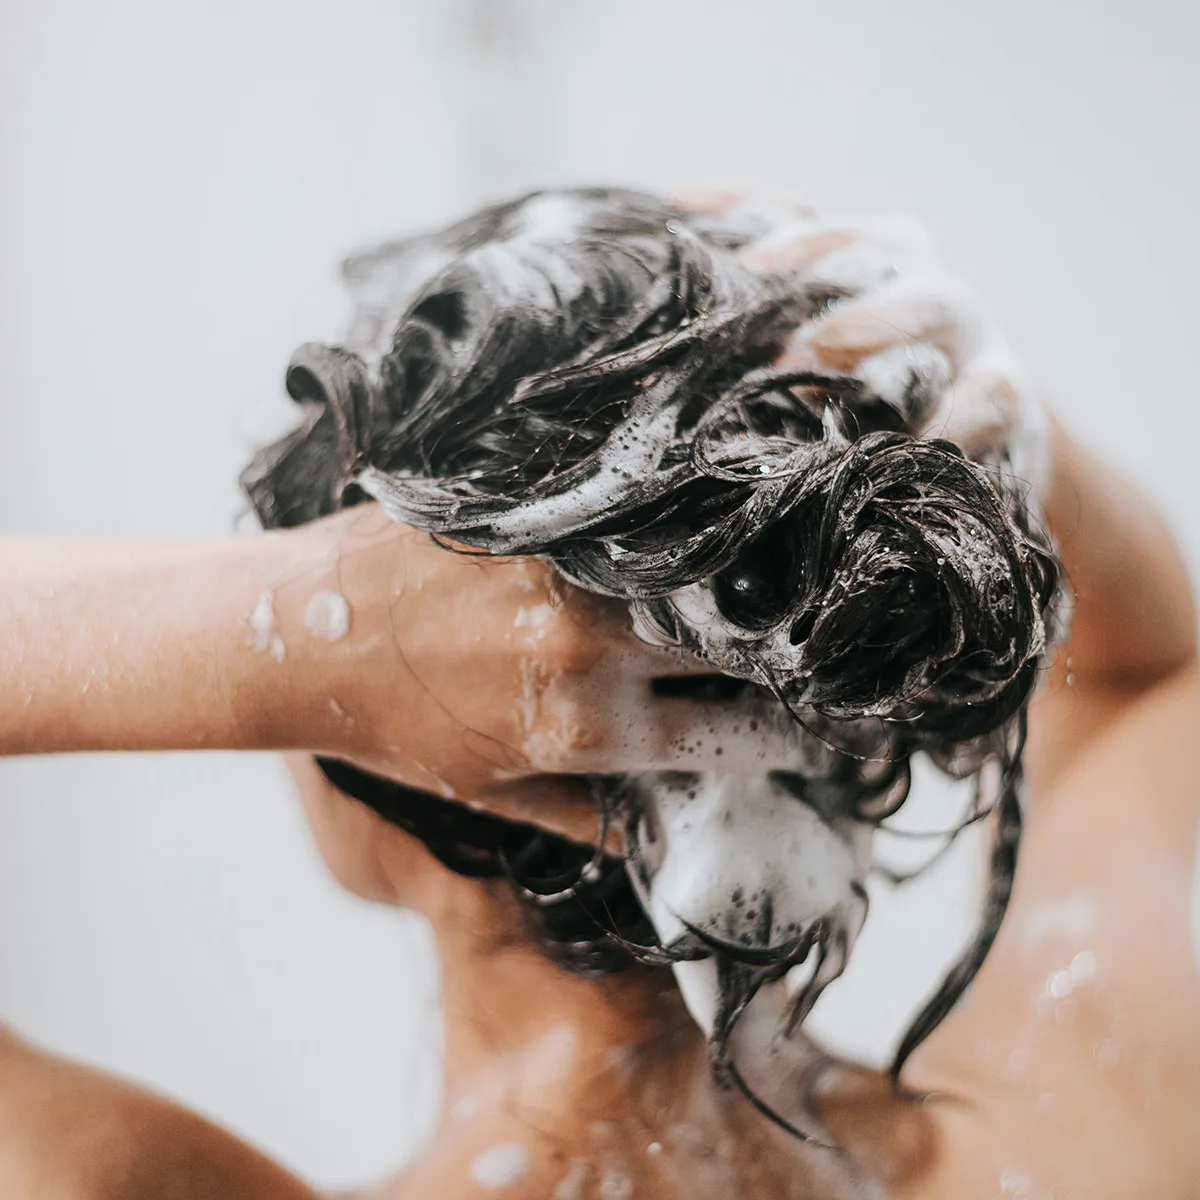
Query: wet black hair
(587, 376)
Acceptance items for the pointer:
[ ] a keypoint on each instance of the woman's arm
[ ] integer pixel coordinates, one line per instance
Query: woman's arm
(1134, 620)
(135, 646)
(466, 675)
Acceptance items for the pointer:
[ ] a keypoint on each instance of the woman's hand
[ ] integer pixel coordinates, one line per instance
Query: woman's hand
(1134, 617)
(902, 312)
(483, 679)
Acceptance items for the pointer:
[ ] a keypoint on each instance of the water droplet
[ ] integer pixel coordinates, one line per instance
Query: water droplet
(1060, 984)
(1083, 967)
(1018, 1060)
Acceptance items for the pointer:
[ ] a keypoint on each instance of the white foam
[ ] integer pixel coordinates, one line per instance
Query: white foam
(1074, 916)
(262, 621)
(543, 1064)
(1060, 984)
(615, 1183)
(570, 1186)
(537, 618)
(327, 616)
(500, 1166)
(1017, 1186)
(551, 218)
(631, 453)
(262, 628)
(741, 858)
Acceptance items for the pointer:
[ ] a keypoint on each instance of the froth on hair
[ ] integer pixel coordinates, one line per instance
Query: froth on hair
(586, 376)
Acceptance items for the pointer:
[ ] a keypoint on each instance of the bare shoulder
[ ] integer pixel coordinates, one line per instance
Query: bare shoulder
(1107, 872)
(77, 1134)
(1106, 877)
(1135, 771)
(1075, 1062)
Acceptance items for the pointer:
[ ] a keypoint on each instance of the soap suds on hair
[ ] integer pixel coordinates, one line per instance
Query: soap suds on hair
(736, 860)
(328, 616)
(500, 1166)
(264, 638)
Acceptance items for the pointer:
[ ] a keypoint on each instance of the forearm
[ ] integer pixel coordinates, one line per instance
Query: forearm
(1134, 618)
(149, 646)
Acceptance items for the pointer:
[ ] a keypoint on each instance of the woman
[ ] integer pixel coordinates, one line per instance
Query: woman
(1083, 1019)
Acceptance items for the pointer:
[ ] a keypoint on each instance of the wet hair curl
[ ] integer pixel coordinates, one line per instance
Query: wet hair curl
(587, 376)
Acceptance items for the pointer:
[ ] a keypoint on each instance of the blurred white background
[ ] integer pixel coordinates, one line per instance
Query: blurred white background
(177, 183)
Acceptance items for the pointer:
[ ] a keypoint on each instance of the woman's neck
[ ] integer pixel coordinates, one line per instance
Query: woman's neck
(517, 1023)
(561, 1086)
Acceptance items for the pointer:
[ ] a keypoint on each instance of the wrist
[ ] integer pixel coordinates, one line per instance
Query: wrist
(314, 633)
(284, 677)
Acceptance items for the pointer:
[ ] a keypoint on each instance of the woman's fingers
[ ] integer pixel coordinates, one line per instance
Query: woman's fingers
(991, 406)
(978, 409)
(902, 313)
(707, 200)
(715, 201)
(597, 632)
(847, 251)
(915, 335)
(930, 307)
(853, 253)
(978, 396)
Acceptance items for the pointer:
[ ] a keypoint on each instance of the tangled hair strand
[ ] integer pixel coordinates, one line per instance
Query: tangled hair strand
(587, 376)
